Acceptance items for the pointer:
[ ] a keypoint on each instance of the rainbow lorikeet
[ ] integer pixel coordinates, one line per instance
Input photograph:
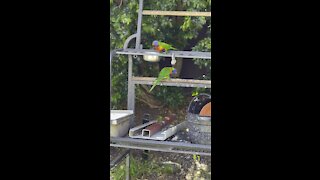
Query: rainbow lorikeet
(161, 46)
(163, 75)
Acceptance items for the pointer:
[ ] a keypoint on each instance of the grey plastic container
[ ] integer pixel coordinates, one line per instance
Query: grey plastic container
(199, 126)
(120, 122)
(199, 129)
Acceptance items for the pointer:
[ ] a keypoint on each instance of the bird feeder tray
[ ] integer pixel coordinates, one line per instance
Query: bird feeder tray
(151, 57)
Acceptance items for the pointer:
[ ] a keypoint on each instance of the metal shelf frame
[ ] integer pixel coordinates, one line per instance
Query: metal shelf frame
(163, 146)
(181, 54)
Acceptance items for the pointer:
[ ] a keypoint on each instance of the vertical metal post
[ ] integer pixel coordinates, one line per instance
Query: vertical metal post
(138, 39)
(128, 166)
(131, 86)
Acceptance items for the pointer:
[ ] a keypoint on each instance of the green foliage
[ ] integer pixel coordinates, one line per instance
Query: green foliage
(159, 118)
(203, 45)
(197, 91)
(139, 169)
(196, 157)
(181, 32)
(119, 85)
(122, 25)
(119, 172)
(171, 96)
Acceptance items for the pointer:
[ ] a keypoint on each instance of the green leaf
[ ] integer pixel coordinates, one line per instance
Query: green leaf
(195, 93)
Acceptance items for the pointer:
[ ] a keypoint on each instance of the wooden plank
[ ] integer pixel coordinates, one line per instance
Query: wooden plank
(176, 13)
(174, 82)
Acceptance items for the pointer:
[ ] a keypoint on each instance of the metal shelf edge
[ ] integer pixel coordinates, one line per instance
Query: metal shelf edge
(162, 149)
(162, 144)
(182, 54)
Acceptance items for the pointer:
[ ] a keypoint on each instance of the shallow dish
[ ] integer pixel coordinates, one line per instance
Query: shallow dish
(151, 57)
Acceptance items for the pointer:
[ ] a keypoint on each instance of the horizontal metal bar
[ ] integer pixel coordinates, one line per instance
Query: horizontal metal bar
(181, 54)
(162, 144)
(176, 13)
(173, 82)
(161, 149)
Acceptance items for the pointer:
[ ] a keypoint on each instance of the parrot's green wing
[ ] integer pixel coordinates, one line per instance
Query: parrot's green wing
(155, 83)
(164, 74)
(166, 46)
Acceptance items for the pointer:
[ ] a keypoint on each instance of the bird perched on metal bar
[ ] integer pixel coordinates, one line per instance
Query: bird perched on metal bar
(163, 75)
(162, 47)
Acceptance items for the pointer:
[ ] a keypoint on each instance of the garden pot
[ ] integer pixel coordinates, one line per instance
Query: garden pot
(200, 126)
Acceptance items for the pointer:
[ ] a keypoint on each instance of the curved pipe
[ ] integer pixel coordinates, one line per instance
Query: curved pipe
(126, 43)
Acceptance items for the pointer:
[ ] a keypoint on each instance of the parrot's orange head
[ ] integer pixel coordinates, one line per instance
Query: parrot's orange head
(155, 43)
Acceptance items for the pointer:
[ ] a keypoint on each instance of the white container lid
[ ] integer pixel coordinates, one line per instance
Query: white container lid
(118, 116)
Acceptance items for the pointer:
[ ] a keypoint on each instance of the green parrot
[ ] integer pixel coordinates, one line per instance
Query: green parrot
(162, 47)
(163, 75)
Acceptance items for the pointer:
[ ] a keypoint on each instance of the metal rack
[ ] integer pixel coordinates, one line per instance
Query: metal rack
(165, 146)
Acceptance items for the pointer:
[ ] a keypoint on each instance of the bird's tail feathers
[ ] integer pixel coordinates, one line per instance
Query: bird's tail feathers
(153, 86)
